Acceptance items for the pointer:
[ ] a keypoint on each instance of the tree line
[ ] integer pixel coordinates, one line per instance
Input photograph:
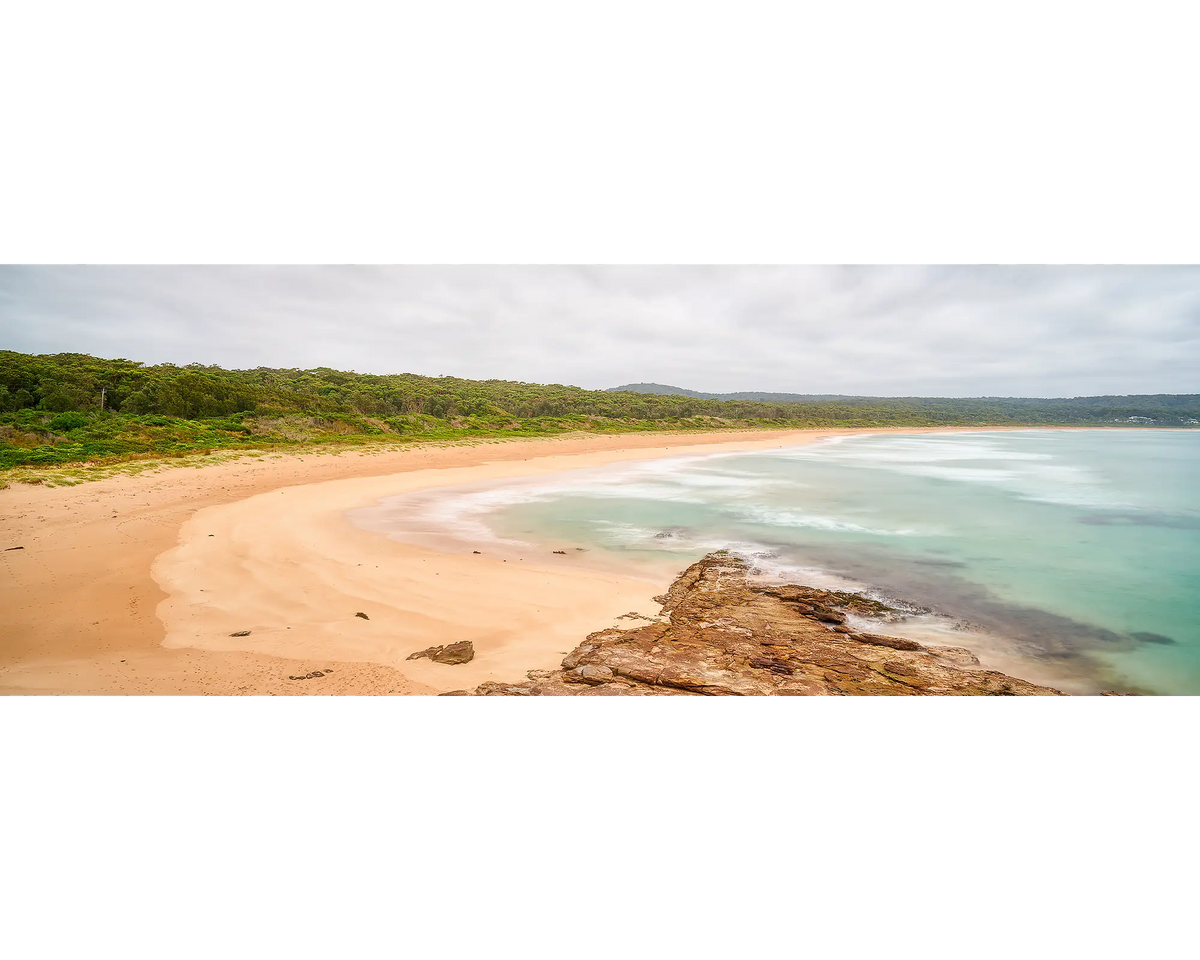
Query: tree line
(69, 406)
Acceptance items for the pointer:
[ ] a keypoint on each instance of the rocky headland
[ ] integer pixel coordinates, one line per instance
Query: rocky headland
(721, 632)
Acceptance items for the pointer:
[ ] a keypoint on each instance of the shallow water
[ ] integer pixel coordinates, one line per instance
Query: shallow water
(1076, 552)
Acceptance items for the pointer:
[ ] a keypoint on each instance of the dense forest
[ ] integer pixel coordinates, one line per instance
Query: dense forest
(70, 407)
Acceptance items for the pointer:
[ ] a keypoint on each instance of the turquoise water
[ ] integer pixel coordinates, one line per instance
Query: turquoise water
(1080, 549)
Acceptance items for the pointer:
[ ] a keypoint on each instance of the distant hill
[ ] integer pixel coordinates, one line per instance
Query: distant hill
(1164, 410)
(665, 390)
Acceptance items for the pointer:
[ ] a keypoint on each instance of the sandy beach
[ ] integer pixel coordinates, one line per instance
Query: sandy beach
(134, 584)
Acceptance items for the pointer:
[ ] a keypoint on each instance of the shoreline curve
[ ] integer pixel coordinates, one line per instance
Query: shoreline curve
(121, 590)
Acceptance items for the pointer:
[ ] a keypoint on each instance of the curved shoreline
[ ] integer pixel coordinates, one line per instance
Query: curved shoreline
(82, 599)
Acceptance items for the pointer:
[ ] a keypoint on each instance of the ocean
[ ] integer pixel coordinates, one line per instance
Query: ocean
(1069, 557)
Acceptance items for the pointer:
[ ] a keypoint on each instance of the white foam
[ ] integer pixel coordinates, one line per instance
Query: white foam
(629, 535)
(960, 474)
(902, 450)
(780, 517)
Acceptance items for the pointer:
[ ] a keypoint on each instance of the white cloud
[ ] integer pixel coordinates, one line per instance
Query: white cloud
(1043, 331)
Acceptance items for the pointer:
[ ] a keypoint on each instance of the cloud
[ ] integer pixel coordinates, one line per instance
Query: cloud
(950, 331)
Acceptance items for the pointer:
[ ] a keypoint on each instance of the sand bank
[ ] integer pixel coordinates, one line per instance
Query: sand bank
(133, 584)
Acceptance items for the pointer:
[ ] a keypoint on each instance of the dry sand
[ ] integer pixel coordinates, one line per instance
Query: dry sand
(133, 584)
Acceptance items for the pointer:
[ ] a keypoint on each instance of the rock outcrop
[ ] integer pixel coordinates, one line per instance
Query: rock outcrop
(461, 652)
(722, 633)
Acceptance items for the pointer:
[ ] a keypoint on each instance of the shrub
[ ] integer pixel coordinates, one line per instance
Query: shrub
(71, 420)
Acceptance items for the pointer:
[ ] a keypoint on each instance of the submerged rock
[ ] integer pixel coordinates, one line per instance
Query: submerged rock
(1147, 637)
(959, 656)
(723, 634)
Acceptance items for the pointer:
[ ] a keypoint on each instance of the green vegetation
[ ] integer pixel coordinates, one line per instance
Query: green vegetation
(51, 410)
(1166, 410)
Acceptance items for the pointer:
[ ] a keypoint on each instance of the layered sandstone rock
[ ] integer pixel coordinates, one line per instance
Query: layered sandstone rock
(722, 633)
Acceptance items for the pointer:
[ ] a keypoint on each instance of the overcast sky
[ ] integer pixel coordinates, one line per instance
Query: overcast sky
(932, 331)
